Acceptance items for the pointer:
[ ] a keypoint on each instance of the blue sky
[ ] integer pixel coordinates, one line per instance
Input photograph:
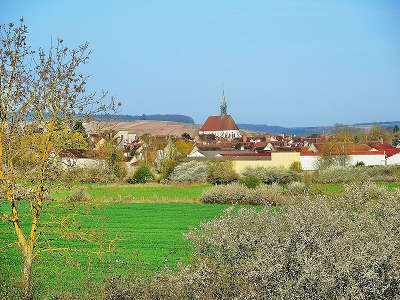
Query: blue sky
(291, 63)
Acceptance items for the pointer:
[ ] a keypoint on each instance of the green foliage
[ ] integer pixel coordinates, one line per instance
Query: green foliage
(273, 175)
(184, 147)
(396, 128)
(167, 166)
(221, 172)
(186, 135)
(295, 166)
(133, 153)
(78, 127)
(250, 181)
(360, 164)
(150, 239)
(148, 192)
(117, 166)
(142, 174)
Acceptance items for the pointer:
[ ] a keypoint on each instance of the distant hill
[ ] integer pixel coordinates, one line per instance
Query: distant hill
(285, 130)
(170, 124)
(310, 130)
(142, 127)
(158, 117)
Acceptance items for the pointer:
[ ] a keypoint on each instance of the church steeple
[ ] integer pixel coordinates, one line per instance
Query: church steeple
(223, 105)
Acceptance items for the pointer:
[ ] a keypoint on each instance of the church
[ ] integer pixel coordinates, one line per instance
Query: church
(222, 126)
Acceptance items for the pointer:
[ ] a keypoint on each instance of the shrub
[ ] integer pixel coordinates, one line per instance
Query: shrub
(340, 174)
(79, 194)
(295, 166)
(167, 166)
(267, 195)
(273, 175)
(297, 188)
(250, 181)
(225, 194)
(142, 174)
(360, 164)
(240, 194)
(221, 172)
(191, 171)
(312, 250)
(117, 166)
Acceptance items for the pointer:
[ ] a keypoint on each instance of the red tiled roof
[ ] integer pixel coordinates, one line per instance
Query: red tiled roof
(391, 152)
(218, 123)
(304, 149)
(379, 145)
(338, 147)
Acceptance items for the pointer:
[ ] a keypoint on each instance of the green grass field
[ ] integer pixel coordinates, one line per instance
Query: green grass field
(138, 193)
(147, 220)
(150, 238)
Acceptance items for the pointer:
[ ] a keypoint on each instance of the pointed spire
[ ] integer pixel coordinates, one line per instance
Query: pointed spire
(223, 105)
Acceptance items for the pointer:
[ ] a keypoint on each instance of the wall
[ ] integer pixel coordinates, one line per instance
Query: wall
(278, 159)
(309, 162)
(81, 162)
(394, 159)
(368, 160)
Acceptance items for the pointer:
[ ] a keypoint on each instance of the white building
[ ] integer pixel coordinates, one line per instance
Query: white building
(125, 137)
(309, 161)
(393, 156)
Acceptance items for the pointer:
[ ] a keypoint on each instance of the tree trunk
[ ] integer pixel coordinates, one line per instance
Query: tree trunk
(27, 276)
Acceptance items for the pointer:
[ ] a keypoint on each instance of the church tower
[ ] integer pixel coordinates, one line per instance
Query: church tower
(222, 126)
(223, 106)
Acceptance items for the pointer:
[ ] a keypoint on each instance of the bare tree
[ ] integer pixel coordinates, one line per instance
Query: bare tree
(40, 92)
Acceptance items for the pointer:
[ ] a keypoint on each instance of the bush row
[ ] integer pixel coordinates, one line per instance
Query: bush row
(340, 174)
(273, 175)
(221, 172)
(273, 194)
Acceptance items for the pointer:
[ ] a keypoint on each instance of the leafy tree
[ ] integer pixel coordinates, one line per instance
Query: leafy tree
(133, 153)
(186, 135)
(78, 127)
(395, 128)
(116, 165)
(360, 164)
(184, 147)
(221, 172)
(142, 174)
(46, 90)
